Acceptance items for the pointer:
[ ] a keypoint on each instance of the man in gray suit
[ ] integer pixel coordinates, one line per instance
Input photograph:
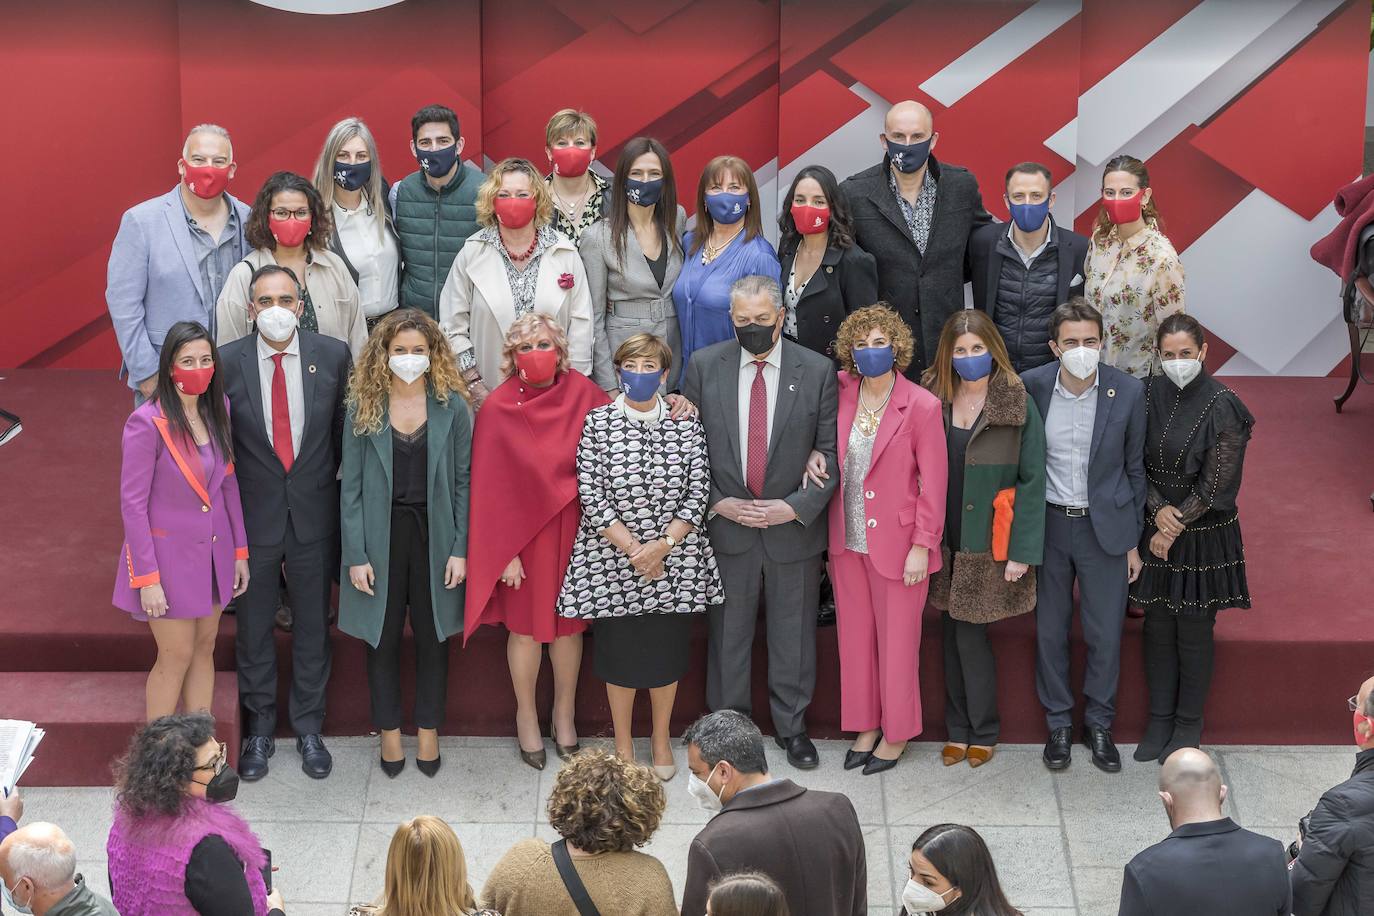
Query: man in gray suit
(766, 404)
(172, 255)
(1095, 509)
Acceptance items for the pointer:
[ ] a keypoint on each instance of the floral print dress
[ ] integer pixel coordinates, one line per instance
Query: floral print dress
(1135, 284)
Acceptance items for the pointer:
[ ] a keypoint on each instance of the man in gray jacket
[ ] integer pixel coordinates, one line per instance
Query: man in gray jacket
(38, 868)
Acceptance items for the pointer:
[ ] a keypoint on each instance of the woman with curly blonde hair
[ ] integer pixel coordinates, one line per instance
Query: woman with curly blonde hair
(426, 874)
(602, 806)
(405, 529)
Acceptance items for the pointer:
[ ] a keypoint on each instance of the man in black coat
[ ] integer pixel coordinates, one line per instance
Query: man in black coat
(1209, 864)
(286, 392)
(1024, 269)
(914, 214)
(1333, 874)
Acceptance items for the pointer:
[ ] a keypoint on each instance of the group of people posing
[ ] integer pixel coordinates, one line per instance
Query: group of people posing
(541, 403)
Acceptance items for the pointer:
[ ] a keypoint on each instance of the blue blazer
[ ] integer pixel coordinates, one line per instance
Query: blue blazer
(153, 280)
(1116, 458)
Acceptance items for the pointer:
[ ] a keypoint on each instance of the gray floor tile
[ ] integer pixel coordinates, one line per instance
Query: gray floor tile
(317, 909)
(1013, 788)
(879, 855)
(479, 785)
(84, 814)
(1099, 890)
(287, 794)
(1276, 787)
(483, 846)
(315, 864)
(1030, 864)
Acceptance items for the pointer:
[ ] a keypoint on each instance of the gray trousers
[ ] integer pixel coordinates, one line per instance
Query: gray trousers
(791, 594)
(1072, 552)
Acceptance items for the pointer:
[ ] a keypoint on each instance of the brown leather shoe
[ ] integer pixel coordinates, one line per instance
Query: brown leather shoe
(952, 754)
(977, 756)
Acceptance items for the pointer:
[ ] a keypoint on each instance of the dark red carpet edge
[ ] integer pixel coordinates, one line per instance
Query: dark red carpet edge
(1283, 667)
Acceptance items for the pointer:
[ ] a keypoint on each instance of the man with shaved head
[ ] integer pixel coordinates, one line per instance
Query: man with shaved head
(1209, 864)
(38, 870)
(914, 214)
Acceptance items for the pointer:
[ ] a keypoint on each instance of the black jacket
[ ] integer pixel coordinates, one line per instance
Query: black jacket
(1213, 868)
(846, 281)
(924, 289)
(1334, 873)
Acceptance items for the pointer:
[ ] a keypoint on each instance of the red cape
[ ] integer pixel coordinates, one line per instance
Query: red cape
(1355, 204)
(524, 474)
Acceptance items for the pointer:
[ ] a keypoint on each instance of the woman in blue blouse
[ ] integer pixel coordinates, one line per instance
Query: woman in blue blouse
(726, 244)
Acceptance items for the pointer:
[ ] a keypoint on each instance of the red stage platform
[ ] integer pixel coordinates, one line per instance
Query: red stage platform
(1283, 668)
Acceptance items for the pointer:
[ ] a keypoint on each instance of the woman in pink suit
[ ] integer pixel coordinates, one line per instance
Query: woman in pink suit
(185, 550)
(884, 533)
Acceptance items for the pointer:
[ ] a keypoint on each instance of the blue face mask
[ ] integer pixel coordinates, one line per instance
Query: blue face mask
(909, 157)
(640, 386)
(727, 208)
(352, 176)
(873, 361)
(643, 193)
(1029, 217)
(437, 162)
(972, 368)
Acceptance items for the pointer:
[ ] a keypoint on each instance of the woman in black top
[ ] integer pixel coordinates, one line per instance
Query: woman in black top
(1195, 439)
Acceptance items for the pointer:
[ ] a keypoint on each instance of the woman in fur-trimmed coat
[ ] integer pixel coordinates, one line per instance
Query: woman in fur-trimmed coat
(994, 520)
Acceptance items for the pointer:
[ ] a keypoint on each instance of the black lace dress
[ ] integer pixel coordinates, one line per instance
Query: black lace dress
(1194, 455)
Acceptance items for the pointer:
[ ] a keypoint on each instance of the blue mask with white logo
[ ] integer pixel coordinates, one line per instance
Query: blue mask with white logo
(909, 157)
(727, 208)
(873, 361)
(437, 162)
(1029, 217)
(352, 175)
(640, 386)
(643, 193)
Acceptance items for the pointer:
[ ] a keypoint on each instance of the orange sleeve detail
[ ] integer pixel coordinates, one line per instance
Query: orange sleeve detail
(152, 578)
(1001, 523)
(228, 469)
(240, 553)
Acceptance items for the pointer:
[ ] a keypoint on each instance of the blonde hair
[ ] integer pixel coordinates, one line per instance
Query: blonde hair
(338, 135)
(369, 387)
(569, 122)
(527, 328)
(486, 194)
(860, 323)
(644, 346)
(426, 872)
(940, 377)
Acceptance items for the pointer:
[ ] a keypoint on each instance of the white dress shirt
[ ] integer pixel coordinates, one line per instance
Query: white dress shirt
(771, 370)
(1068, 443)
(372, 252)
(295, 392)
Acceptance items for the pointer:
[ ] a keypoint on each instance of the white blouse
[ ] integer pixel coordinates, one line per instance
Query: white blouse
(372, 252)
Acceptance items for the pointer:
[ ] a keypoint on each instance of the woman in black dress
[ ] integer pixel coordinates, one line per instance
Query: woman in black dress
(1196, 434)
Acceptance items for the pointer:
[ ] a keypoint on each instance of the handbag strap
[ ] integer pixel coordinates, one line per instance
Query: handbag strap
(576, 889)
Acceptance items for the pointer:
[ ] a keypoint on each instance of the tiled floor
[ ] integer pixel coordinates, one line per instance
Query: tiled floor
(1059, 840)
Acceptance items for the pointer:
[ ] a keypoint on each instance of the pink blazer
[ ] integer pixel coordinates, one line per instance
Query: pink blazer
(904, 492)
(179, 523)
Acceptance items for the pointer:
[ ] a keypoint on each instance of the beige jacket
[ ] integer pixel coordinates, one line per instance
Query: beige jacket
(526, 883)
(332, 292)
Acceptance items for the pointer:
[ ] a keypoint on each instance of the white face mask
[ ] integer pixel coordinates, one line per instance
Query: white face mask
(1080, 361)
(276, 323)
(409, 366)
(11, 905)
(1182, 371)
(705, 796)
(917, 898)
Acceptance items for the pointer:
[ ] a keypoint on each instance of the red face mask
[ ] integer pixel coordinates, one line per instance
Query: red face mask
(810, 220)
(571, 161)
(1124, 209)
(514, 212)
(206, 181)
(289, 233)
(537, 366)
(1364, 728)
(192, 381)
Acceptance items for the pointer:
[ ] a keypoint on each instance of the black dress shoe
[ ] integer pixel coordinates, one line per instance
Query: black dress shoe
(1105, 755)
(801, 753)
(392, 768)
(855, 759)
(878, 764)
(429, 767)
(1058, 754)
(253, 760)
(316, 761)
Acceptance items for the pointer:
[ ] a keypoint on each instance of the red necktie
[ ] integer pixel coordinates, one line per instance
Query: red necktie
(281, 415)
(757, 468)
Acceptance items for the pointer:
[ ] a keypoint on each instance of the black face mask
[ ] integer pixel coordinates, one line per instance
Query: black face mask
(437, 162)
(224, 787)
(756, 338)
(352, 175)
(909, 157)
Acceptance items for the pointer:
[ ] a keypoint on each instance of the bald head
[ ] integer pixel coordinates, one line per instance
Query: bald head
(908, 116)
(1365, 698)
(1190, 787)
(40, 855)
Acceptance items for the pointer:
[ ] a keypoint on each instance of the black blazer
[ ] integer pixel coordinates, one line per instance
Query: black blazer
(985, 263)
(846, 281)
(1214, 868)
(309, 494)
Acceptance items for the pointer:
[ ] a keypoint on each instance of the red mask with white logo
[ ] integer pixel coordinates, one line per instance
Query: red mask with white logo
(206, 181)
(810, 220)
(571, 161)
(192, 381)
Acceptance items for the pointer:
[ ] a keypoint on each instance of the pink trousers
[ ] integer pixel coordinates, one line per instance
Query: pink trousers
(879, 624)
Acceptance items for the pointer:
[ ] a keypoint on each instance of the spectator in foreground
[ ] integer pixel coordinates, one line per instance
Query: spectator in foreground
(603, 807)
(952, 871)
(1209, 864)
(38, 871)
(426, 874)
(807, 840)
(1334, 871)
(747, 893)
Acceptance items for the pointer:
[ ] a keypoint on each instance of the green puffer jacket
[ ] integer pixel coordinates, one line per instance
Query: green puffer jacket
(432, 227)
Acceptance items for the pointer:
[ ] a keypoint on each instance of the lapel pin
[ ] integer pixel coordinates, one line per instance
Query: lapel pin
(1111, 392)
(312, 367)
(830, 270)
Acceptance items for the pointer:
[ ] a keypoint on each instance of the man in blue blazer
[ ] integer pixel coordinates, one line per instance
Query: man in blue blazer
(1095, 507)
(172, 255)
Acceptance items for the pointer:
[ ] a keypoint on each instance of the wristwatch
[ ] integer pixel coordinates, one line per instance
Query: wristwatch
(670, 541)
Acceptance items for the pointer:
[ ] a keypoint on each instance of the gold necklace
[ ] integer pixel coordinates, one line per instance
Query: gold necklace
(868, 420)
(570, 208)
(710, 252)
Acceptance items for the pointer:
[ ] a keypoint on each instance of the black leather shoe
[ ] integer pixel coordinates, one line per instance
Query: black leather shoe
(855, 759)
(316, 761)
(429, 767)
(878, 764)
(801, 753)
(253, 760)
(1105, 755)
(392, 768)
(1058, 754)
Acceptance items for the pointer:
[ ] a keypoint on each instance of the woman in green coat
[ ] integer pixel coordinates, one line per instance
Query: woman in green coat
(404, 509)
(994, 520)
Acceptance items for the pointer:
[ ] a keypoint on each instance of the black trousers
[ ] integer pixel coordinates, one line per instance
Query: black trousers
(309, 570)
(970, 683)
(1178, 664)
(408, 586)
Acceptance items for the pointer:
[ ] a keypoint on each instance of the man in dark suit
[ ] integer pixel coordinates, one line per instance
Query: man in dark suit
(1023, 269)
(766, 404)
(808, 841)
(286, 393)
(914, 214)
(1209, 864)
(1095, 508)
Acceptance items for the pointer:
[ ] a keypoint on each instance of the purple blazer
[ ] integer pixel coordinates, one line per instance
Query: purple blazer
(182, 527)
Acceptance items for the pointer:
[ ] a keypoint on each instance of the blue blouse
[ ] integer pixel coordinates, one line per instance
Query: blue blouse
(701, 295)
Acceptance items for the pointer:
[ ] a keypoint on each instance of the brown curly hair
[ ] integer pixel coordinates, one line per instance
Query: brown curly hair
(602, 803)
(861, 323)
(369, 387)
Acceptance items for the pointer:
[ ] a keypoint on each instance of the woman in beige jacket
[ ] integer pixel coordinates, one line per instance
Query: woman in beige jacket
(516, 264)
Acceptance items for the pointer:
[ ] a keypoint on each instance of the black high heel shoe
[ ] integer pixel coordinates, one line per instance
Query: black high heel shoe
(878, 764)
(393, 768)
(429, 767)
(854, 759)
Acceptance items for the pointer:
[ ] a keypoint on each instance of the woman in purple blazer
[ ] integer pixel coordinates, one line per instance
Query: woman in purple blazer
(185, 550)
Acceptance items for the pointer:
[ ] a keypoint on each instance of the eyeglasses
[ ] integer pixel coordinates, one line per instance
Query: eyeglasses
(218, 761)
(284, 214)
(1354, 703)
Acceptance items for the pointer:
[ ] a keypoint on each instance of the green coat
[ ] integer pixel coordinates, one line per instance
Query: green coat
(365, 517)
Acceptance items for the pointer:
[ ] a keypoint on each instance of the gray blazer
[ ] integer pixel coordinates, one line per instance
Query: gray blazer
(1116, 457)
(625, 299)
(153, 280)
(804, 419)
